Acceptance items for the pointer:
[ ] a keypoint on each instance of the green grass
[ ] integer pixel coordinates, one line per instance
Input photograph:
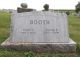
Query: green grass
(74, 28)
(4, 25)
(11, 54)
(74, 32)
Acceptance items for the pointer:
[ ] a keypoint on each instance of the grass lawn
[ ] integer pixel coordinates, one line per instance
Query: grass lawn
(74, 32)
(4, 25)
(74, 28)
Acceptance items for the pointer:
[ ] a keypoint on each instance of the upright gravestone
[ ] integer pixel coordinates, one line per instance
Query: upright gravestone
(40, 32)
(78, 14)
(39, 27)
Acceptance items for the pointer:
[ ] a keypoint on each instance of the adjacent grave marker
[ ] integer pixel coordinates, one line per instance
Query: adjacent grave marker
(24, 8)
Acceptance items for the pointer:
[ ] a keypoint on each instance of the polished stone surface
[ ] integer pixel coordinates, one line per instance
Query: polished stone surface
(39, 27)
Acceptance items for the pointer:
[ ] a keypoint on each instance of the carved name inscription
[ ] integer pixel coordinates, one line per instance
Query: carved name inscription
(39, 21)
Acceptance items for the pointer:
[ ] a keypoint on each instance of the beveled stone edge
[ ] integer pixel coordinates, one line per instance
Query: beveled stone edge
(8, 42)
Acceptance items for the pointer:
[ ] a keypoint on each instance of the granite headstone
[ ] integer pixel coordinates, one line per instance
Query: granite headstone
(40, 27)
(39, 31)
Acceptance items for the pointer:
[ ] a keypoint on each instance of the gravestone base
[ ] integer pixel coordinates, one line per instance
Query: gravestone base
(41, 47)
